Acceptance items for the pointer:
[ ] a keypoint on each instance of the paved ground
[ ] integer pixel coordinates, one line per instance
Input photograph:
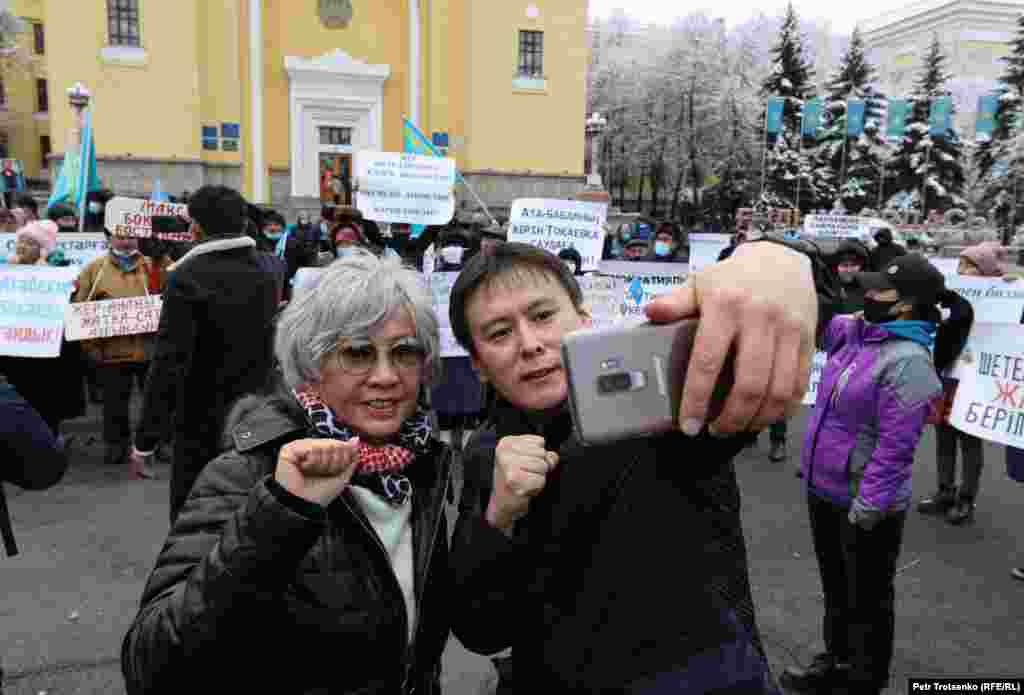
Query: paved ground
(88, 544)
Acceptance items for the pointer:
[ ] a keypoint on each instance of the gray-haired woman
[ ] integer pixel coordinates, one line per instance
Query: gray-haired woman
(311, 556)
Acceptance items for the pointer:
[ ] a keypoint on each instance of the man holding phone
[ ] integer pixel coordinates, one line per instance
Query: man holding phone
(619, 567)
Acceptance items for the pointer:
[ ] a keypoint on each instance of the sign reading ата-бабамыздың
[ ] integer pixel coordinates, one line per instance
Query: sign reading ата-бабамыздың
(557, 224)
(405, 188)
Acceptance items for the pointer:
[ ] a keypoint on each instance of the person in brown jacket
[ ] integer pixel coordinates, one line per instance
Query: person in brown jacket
(119, 361)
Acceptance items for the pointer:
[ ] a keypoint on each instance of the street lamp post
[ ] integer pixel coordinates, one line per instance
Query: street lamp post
(594, 190)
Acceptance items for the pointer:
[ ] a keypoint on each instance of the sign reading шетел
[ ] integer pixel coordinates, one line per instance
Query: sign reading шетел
(112, 317)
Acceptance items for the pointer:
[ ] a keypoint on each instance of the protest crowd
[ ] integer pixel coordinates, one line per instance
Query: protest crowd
(297, 376)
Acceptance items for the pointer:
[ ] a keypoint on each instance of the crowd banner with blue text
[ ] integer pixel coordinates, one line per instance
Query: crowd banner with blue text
(896, 119)
(985, 125)
(405, 188)
(994, 300)
(989, 399)
(643, 282)
(855, 110)
(33, 299)
(773, 121)
(553, 225)
(79, 249)
(602, 297)
(940, 116)
(811, 120)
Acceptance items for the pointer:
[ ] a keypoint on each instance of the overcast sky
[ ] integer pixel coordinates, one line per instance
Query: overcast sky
(843, 15)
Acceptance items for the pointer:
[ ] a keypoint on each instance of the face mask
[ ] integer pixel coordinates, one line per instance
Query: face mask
(847, 278)
(626, 236)
(345, 251)
(273, 236)
(126, 262)
(662, 249)
(878, 312)
(124, 254)
(452, 255)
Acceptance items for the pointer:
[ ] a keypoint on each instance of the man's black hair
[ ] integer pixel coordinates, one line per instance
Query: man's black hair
(58, 210)
(505, 259)
(219, 210)
(26, 201)
(573, 256)
(273, 216)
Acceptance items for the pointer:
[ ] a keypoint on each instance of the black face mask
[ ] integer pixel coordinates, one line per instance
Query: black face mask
(878, 312)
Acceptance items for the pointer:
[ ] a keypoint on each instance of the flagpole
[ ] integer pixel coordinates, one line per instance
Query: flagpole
(800, 153)
(83, 175)
(764, 150)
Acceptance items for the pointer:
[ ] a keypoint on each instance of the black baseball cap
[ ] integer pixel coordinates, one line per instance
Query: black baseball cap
(912, 275)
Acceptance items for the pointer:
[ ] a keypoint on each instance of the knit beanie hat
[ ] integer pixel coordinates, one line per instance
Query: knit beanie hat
(986, 257)
(43, 233)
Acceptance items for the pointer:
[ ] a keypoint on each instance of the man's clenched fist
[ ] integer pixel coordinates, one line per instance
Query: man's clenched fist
(521, 468)
(317, 470)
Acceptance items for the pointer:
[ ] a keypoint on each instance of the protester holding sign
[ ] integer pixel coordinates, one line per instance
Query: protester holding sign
(957, 504)
(875, 394)
(120, 360)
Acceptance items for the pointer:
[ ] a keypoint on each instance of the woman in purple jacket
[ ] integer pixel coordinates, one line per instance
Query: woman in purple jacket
(876, 392)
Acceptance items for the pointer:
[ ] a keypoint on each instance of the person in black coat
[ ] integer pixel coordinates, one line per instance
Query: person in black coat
(30, 455)
(401, 242)
(886, 250)
(850, 258)
(555, 552)
(214, 341)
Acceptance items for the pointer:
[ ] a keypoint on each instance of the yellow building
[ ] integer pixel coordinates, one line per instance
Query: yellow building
(268, 95)
(24, 93)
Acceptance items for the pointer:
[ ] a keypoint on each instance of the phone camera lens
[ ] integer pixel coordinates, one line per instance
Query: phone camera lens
(614, 383)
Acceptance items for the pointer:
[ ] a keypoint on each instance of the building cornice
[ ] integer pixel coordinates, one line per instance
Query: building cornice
(335, 64)
(924, 12)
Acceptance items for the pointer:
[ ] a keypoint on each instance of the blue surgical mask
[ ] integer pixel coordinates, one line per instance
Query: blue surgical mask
(626, 235)
(273, 236)
(662, 249)
(125, 260)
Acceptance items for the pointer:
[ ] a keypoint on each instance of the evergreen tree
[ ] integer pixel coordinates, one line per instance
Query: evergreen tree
(998, 157)
(787, 167)
(922, 162)
(856, 170)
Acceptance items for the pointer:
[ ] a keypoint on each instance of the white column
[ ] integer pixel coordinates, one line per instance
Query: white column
(258, 168)
(414, 63)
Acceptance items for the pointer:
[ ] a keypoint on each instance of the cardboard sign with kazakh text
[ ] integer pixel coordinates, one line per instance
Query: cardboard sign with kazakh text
(602, 297)
(644, 282)
(134, 217)
(989, 399)
(79, 249)
(33, 299)
(112, 317)
(405, 188)
(994, 300)
(554, 225)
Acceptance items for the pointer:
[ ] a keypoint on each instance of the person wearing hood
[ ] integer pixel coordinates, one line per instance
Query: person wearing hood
(877, 390)
(636, 250)
(119, 361)
(667, 248)
(851, 258)
(886, 250)
(214, 343)
(956, 504)
(401, 242)
(572, 259)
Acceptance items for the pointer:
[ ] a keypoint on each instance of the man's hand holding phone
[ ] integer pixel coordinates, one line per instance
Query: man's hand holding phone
(521, 468)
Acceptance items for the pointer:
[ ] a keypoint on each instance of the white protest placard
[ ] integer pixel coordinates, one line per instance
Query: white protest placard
(557, 224)
(644, 282)
(602, 296)
(994, 300)
(305, 280)
(112, 317)
(817, 368)
(405, 188)
(441, 288)
(33, 299)
(843, 226)
(705, 249)
(989, 400)
(946, 266)
(79, 249)
(134, 217)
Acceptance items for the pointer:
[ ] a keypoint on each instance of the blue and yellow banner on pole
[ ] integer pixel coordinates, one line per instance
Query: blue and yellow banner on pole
(415, 142)
(811, 121)
(940, 116)
(896, 120)
(985, 124)
(773, 118)
(855, 110)
(78, 176)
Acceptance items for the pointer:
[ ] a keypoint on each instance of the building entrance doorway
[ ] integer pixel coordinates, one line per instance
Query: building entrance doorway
(335, 179)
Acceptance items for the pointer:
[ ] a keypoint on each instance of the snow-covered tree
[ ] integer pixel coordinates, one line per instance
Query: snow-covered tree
(854, 163)
(789, 170)
(922, 162)
(998, 158)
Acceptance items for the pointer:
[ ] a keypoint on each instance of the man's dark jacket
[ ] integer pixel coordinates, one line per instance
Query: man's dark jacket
(628, 573)
(214, 345)
(259, 591)
(884, 254)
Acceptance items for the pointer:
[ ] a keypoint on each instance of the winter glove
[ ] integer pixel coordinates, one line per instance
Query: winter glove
(864, 515)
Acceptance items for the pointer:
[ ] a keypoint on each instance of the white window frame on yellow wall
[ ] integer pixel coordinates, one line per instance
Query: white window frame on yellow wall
(332, 91)
(121, 54)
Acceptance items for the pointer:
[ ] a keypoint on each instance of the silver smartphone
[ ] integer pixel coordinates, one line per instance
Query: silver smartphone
(627, 381)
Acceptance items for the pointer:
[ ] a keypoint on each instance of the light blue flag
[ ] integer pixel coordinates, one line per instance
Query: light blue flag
(415, 142)
(988, 104)
(773, 118)
(812, 118)
(158, 194)
(855, 110)
(940, 117)
(896, 121)
(77, 173)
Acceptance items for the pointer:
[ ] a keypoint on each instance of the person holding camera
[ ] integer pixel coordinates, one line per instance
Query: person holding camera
(555, 552)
